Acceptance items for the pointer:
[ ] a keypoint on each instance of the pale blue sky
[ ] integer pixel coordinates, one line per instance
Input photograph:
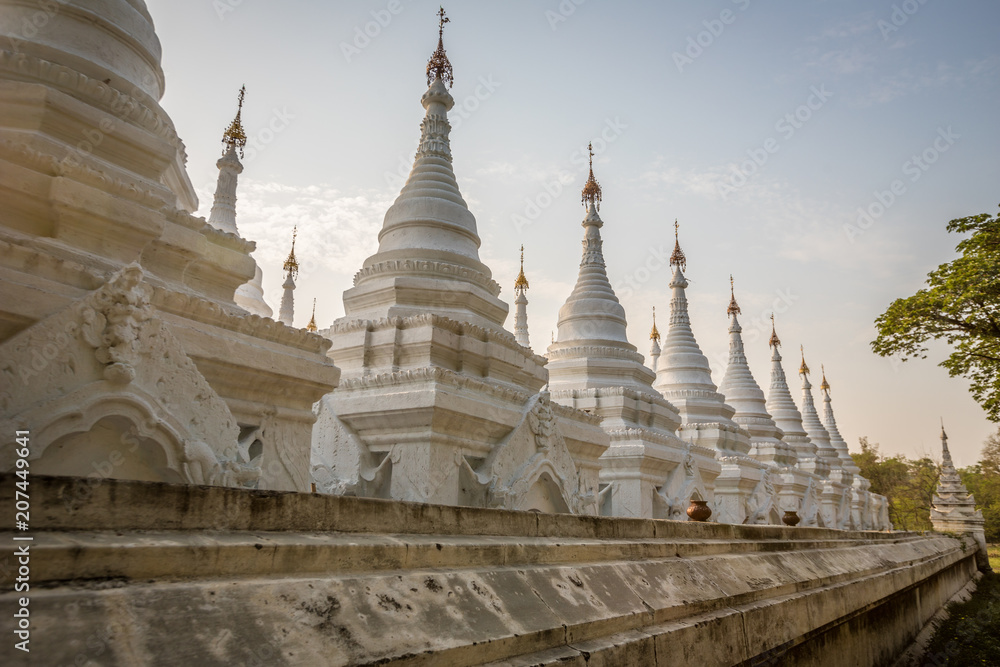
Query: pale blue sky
(535, 82)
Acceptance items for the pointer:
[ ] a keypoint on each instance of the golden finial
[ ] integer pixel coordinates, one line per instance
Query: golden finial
(439, 67)
(677, 257)
(654, 334)
(291, 264)
(774, 341)
(234, 136)
(521, 283)
(591, 189)
(734, 308)
(803, 369)
(825, 386)
(312, 320)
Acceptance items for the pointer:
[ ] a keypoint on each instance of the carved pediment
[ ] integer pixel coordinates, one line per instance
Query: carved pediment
(107, 356)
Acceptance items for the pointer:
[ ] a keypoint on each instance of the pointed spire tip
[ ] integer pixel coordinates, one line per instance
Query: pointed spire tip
(677, 257)
(521, 283)
(235, 137)
(291, 264)
(439, 67)
(591, 194)
(734, 308)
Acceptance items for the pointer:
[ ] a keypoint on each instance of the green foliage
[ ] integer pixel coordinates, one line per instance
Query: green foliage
(961, 305)
(971, 634)
(907, 484)
(983, 482)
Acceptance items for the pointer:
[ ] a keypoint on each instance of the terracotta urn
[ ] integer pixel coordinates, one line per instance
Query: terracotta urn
(699, 510)
(791, 518)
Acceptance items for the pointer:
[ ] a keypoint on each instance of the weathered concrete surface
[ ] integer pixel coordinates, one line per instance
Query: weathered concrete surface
(134, 573)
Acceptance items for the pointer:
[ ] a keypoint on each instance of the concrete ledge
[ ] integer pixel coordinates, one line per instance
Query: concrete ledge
(158, 574)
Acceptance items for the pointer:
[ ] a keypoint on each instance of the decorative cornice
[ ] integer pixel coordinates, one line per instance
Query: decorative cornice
(598, 351)
(434, 374)
(237, 320)
(43, 264)
(438, 269)
(102, 180)
(437, 321)
(96, 92)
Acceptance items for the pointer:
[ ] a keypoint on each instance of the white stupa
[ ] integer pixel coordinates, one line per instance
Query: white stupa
(593, 367)
(953, 508)
(787, 416)
(286, 314)
(744, 394)
(814, 428)
(250, 295)
(438, 402)
(521, 304)
(654, 345)
(830, 423)
(684, 377)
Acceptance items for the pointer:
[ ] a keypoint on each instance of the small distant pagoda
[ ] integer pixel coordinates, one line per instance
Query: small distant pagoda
(953, 509)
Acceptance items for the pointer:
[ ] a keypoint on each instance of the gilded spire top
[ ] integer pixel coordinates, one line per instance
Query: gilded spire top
(654, 334)
(235, 136)
(774, 341)
(677, 257)
(825, 386)
(591, 189)
(803, 369)
(312, 320)
(734, 308)
(439, 67)
(522, 282)
(292, 264)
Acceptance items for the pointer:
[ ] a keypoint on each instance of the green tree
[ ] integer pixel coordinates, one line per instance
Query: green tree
(983, 482)
(961, 305)
(908, 485)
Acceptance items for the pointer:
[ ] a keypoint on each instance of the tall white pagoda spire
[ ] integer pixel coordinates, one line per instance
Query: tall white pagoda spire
(521, 303)
(223, 215)
(786, 415)
(743, 393)
(829, 421)
(811, 422)
(683, 373)
(287, 312)
(654, 347)
(428, 255)
(249, 295)
(591, 348)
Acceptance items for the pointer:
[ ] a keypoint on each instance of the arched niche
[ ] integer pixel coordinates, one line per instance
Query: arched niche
(544, 495)
(111, 448)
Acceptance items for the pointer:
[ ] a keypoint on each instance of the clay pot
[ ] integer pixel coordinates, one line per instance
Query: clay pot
(699, 510)
(791, 518)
